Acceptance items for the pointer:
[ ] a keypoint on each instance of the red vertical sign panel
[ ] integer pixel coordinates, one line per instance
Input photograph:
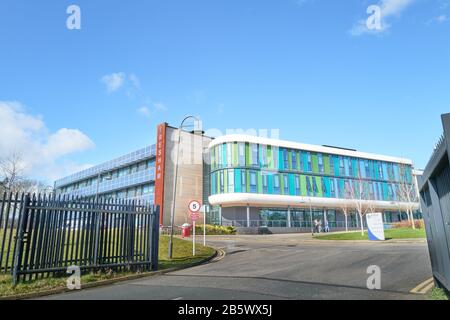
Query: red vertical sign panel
(159, 168)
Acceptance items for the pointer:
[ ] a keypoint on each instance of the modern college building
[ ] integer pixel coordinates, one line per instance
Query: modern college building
(253, 182)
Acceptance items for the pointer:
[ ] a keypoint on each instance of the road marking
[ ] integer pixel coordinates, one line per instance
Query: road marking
(220, 255)
(423, 287)
(177, 299)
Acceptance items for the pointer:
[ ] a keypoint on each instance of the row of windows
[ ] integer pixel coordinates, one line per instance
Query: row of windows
(252, 181)
(136, 156)
(240, 154)
(147, 190)
(109, 176)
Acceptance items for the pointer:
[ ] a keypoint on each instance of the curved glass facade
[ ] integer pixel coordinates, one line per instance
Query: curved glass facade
(240, 167)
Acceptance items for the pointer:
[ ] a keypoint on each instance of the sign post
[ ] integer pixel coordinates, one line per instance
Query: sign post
(205, 210)
(194, 208)
(375, 226)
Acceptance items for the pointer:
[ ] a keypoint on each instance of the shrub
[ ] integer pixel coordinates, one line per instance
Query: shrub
(215, 230)
(419, 224)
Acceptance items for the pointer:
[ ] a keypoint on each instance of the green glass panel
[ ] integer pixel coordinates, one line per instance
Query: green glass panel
(326, 163)
(247, 155)
(303, 185)
(290, 159)
(260, 186)
(319, 186)
(315, 163)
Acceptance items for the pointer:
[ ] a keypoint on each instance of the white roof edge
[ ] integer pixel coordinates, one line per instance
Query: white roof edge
(306, 147)
(244, 199)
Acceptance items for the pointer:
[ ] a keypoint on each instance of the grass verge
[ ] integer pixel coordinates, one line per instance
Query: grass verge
(401, 233)
(182, 256)
(437, 294)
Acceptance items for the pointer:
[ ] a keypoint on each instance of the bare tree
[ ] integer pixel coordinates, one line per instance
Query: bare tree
(406, 192)
(13, 179)
(357, 192)
(12, 172)
(345, 208)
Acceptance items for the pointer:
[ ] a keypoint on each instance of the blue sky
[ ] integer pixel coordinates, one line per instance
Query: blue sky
(73, 98)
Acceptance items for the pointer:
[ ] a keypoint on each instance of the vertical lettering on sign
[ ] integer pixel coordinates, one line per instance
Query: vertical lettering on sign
(159, 168)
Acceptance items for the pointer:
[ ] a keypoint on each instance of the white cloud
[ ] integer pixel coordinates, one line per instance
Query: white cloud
(442, 18)
(43, 152)
(389, 8)
(145, 111)
(156, 107)
(159, 106)
(135, 80)
(114, 81)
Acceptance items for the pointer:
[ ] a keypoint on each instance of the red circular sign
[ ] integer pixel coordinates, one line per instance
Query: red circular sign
(194, 206)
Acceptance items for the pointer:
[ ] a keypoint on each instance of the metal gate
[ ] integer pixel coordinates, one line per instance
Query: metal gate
(51, 234)
(435, 200)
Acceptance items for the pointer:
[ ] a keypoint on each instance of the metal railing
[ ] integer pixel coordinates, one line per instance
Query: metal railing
(284, 224)
(42, 236)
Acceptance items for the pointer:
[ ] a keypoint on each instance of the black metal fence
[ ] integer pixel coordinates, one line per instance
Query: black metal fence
(43, 235)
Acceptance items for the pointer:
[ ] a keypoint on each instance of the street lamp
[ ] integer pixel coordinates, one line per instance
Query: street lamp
(172, 213)
(310, 214)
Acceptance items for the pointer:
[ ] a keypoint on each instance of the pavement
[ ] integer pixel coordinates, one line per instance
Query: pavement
(283, 267)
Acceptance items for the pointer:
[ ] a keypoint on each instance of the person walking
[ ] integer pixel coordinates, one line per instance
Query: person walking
(327, 227)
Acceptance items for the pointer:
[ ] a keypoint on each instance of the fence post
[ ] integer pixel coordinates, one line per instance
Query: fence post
(155, 238)
(97, 206)
(19, 238)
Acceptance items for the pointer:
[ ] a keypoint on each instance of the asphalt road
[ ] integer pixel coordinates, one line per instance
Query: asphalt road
(282, 267)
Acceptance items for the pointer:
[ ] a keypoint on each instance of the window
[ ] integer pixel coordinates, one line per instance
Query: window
(219, 156)
(297, 185)
(316, 189)
(229, 154)
(371, 191)
(230, 181)
(286, 159)
(367, 167)
(332, 188)
(276, 184)
(253, 188)
(320, 158)
(324, 187)
(341, 166)
(254, 149)
(309, 161)
(241, 154)
(380, 170)
(221, 184)
(331, 165)
(265, 184)
(308, 186)
(286, 184)
(350, 166)
(301, 161)
(123, 172)
(294, 159)
(244, 181)
(263, 156)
